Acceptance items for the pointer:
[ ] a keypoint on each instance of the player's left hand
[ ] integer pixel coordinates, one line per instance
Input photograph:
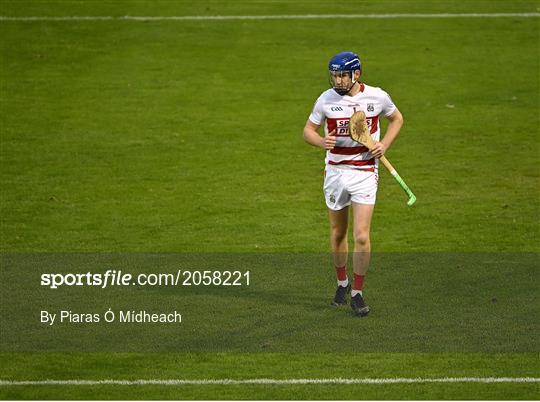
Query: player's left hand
(378, 149)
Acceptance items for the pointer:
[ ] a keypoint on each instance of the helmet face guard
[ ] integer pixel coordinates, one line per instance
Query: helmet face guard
(341, 71)
(341, 81)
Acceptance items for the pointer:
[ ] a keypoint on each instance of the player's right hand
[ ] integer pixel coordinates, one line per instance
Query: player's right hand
(330, 140)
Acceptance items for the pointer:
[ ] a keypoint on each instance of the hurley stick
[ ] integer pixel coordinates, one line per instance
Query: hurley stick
(359, 132)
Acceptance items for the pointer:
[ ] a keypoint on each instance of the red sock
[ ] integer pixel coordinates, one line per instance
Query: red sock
(341, 273)
(358, 283)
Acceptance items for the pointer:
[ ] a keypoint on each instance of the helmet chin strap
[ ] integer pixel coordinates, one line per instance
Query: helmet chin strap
(346, 91)
(353, 80)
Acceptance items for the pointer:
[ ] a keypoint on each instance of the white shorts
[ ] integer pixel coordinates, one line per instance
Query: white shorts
(343, 185)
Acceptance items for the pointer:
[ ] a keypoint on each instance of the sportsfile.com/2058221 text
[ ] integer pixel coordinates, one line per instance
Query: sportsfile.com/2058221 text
(113, 277)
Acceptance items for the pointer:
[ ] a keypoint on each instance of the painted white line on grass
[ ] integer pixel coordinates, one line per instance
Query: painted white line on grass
(270, 381)
(269, 17)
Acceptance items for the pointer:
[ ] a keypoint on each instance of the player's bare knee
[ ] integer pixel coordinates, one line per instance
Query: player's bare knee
(338, 233)
(361, 238)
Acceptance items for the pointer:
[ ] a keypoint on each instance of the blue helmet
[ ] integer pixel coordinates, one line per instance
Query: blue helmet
(344, 63)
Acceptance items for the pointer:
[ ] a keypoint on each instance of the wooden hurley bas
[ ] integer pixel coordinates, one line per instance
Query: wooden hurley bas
(358, 130)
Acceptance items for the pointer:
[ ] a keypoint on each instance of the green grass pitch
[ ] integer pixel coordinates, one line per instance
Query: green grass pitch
(186, 137)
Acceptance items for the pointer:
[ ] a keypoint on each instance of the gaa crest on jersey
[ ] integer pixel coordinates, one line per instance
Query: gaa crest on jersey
(370, 107)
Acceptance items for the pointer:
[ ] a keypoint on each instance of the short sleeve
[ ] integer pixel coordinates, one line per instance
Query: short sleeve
(388, 106)
(317, 115)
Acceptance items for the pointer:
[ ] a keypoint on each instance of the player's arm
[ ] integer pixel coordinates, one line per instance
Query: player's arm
(312, 136)
(392, 131)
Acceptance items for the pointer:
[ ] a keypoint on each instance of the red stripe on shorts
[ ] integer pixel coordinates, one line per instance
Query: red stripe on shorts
(366, 162)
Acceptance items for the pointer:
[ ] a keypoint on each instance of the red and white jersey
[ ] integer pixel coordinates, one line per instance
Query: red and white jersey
(336, 110)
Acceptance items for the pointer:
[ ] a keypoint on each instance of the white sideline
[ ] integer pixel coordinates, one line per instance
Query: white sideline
(268, 17)
(270, 381)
